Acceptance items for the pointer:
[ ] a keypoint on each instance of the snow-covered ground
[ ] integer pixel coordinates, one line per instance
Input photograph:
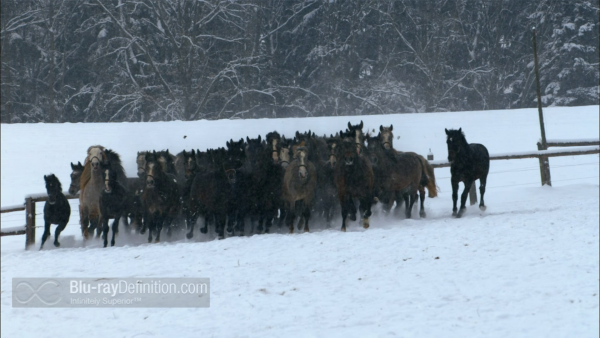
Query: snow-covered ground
(527, 266)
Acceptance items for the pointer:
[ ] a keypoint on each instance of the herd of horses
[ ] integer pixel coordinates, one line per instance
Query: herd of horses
(276, 180)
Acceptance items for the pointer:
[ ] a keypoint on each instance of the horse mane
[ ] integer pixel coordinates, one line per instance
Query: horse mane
(86, 175)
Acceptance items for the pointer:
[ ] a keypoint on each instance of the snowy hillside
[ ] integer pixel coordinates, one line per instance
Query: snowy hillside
(527, 266)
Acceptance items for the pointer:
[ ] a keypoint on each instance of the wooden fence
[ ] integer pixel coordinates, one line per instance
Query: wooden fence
(29, 228)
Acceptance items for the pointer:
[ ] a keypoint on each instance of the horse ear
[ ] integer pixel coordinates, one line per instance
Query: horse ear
(45, 178)
(460, 130)
(247, 139)
(259, 139)
(72, 166)
(193, 152)
(349, 125)
(380, 128)
(391, 127)
(446, 131)
(297, 134)
(361, 124)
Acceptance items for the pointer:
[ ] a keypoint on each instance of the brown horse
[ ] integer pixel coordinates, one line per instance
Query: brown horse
(397, 176)
(91, 185)
(386, 137)
(160, 199)
(359, 138)
(299, 183)
(353, 177)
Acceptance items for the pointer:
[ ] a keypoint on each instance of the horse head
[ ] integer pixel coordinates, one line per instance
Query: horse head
(141, 164)
(53, 187)
(284, 152)
(301, 155)
(357, 133)
(374, 146)
(348, 147)
(455, 139)
(95, 157)
(110, 177)
(274, 144)
(386, 136)
(332, 147)
(189, 163)
(153, 169)
(76, 171)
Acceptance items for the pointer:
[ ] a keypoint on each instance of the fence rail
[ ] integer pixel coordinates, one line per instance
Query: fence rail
(29, 228)
(533, 154)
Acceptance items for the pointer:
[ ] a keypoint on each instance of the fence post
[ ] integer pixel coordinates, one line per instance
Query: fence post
(544, 166)
(29, 222)
(544, 163)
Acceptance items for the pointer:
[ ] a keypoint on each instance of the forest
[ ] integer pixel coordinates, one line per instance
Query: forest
(164, 60)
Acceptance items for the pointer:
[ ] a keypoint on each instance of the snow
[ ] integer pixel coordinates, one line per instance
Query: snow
(527, 266)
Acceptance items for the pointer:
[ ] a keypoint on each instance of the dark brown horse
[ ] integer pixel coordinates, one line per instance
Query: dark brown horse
(56, 210)
(359, 136)
(299, 183)
(398, 176)
(354, 179)
(160, 198)
(469, 162)
(386, 137)
(115, 198)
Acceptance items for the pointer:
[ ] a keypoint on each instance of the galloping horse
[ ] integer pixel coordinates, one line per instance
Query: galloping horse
(160, 198)
(114, 200)
(56, 210)
(397, 176)
(91, 185)
(468, 162)
(299, 183)
(357, 133)
(353, 178)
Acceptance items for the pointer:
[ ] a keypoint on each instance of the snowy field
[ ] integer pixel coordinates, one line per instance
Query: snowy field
(528, 266)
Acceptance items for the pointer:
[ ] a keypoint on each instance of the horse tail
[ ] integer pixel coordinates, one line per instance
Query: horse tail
(431, 186)
(424, 179)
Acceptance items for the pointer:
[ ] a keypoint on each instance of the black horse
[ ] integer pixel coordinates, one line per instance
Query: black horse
(76, 171)
(469, 162)
(56, 210)
(114, 202)
(354, 179)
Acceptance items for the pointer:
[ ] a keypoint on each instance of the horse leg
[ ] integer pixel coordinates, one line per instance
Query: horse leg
(161, 221)
(46, 233)
(351, 209)
(220, 220)
(149, 224)
(412, 197)
(115, 229)
(59, 229)
(191, 223)
(96, 224)
(344, 206)
(482, 183)
(365, 210)
(85, 221)
(300, 206)
(306, 217)
(422, 213)
(463, 197)
(104, 222)
(454, 196)
(207, 219)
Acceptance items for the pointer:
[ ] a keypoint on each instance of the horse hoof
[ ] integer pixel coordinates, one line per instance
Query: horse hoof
(156, 241)
(365, 223)
(203, 230)
(343, 229)
(112, 243)
(482, 207)
(56, 244)
(454, 214)
(352, 217)
(422, 214)
(189, 235)
(306, 229)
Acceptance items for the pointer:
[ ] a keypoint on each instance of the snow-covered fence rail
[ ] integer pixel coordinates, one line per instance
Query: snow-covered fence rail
(573, 142)
(532, 154)
(543, 155)
(29, 228)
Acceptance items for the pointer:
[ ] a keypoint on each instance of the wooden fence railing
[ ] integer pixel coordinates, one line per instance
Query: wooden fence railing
(29, 228)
